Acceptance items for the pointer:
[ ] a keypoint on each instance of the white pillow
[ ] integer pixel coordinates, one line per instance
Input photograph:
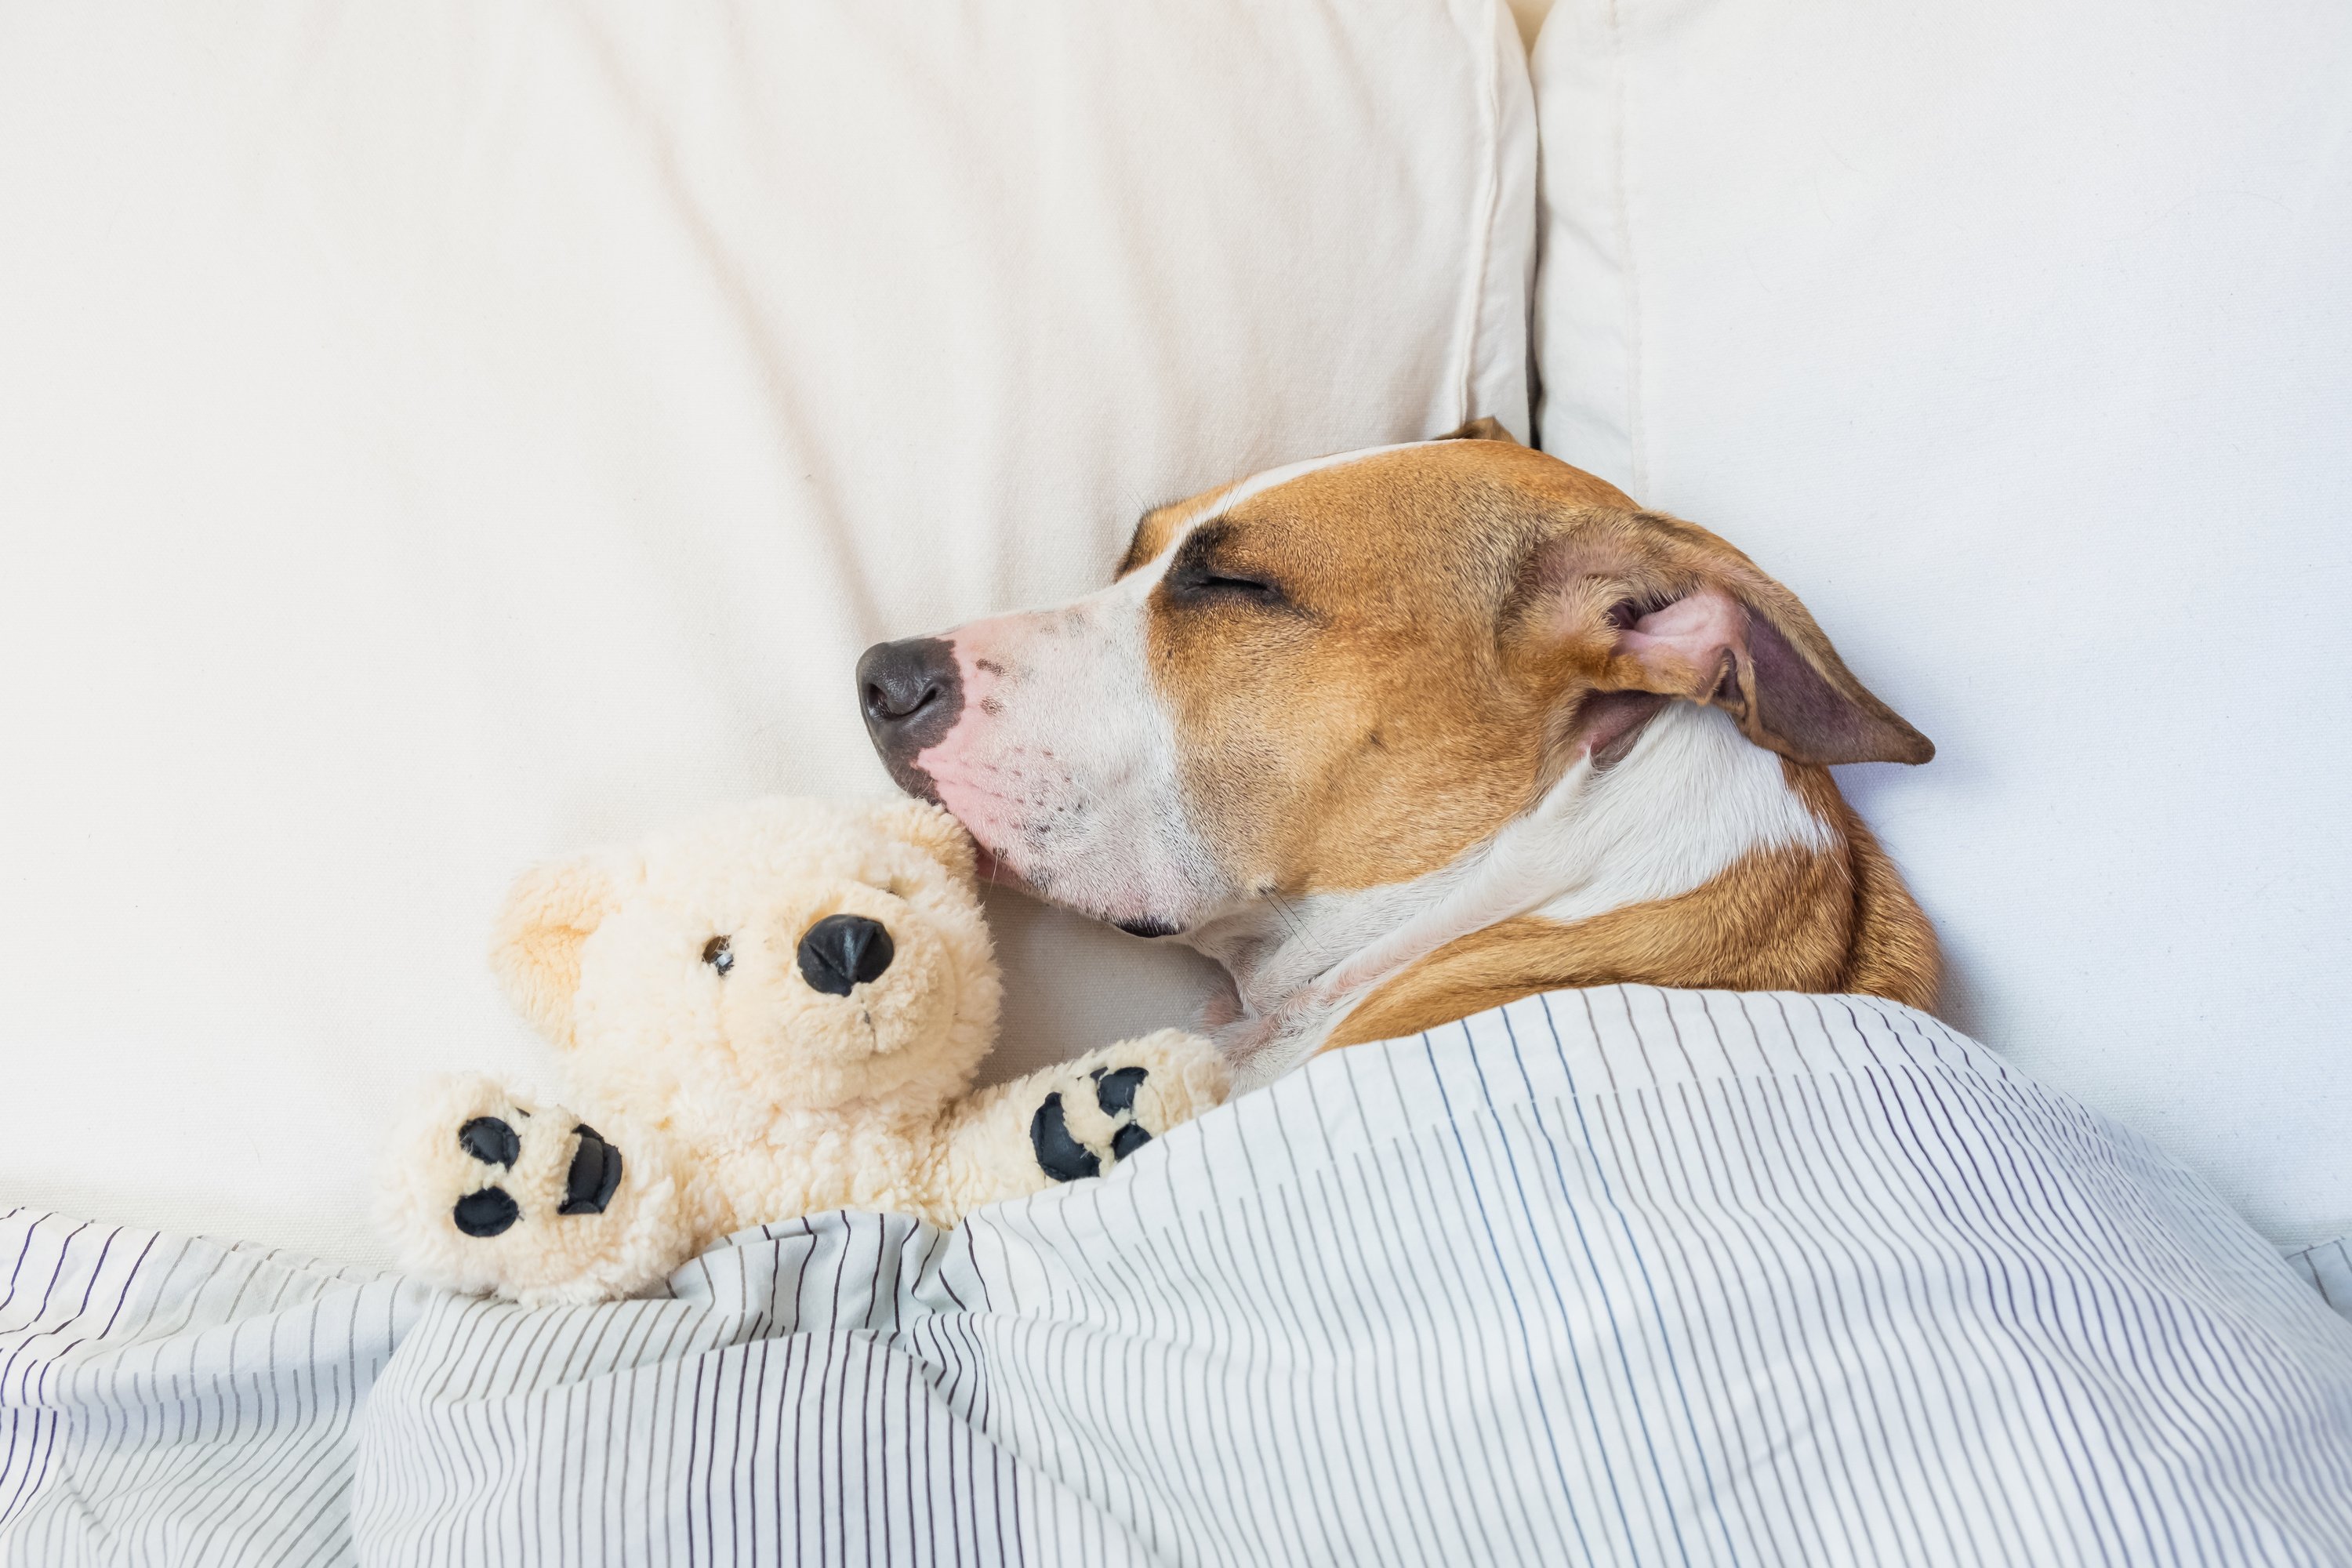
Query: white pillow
(439, 435)
(2017, 339)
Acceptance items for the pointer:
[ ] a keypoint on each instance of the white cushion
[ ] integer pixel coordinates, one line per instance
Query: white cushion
(2017, 339)
(439, 435)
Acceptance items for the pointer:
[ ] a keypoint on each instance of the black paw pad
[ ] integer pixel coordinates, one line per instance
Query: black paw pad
(1128, 1139)
(1115, 1092)
(594, 1176)
(1059, 1155)
(490, 1141)
(487, 1213)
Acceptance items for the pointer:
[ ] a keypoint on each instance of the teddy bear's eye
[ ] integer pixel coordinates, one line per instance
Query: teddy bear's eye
(719, 953)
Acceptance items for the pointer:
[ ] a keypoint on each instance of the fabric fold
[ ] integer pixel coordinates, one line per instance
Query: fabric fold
(1625, 1275)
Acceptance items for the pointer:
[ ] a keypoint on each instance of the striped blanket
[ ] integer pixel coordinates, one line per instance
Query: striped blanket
(1617, 1275)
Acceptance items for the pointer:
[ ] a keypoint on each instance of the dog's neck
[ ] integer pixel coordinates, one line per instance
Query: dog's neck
(1691, 798)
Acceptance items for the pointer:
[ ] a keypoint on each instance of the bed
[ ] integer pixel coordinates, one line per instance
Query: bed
(1619, 1275)
(434, 438)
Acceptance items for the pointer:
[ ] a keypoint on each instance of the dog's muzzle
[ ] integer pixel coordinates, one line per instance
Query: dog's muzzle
(910, 692)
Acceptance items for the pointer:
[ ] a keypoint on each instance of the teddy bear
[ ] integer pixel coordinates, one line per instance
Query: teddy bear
(773, 1012)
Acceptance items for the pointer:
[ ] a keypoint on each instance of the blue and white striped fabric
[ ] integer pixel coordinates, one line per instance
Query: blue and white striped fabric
(2329, 1267)
(1617, 1275)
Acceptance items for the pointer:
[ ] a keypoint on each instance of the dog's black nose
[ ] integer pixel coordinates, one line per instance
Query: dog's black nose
(910, 694)
(905, 683)
(843, 951)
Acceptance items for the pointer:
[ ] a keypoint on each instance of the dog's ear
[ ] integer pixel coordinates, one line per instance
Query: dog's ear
(549, 914)
(1641, 603)
(1486, 428)
(931, 830)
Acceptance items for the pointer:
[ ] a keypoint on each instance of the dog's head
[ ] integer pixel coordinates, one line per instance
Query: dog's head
(1345, 673)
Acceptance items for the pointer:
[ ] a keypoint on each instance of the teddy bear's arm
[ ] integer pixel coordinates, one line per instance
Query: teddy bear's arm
(492, 1193)
(1072, 1119)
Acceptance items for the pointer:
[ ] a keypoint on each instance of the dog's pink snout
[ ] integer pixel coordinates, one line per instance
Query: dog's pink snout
(911, 693)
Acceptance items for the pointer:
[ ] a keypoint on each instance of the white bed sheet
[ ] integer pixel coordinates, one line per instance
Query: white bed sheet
(440, 435)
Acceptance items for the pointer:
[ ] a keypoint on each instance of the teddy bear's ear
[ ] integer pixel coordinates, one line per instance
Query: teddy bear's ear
(932, 831)
(548, 915)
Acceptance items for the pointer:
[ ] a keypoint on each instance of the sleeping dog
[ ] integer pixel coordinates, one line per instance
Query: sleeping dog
(1405, 733)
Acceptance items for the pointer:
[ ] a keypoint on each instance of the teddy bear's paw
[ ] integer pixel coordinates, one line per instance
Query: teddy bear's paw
(1113, 1101)
(492, 1193)
(592, 1173)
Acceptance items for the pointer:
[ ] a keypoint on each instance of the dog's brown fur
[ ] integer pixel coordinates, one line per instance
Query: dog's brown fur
(1461, 634)
(1780, 919)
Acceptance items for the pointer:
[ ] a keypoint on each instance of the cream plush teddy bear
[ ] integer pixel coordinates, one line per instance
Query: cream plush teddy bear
(772, 1013)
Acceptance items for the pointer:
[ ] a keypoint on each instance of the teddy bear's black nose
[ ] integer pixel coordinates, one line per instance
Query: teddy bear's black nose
(843, 951)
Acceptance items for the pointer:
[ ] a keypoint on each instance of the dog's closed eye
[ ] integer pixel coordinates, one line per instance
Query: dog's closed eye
(1208, 584)
(1198, 575)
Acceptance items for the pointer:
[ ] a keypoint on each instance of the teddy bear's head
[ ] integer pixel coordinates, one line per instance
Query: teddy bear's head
(788, 954)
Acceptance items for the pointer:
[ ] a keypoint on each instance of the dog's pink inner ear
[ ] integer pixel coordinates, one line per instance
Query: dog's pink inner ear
(1690, 647)
(1713, 649)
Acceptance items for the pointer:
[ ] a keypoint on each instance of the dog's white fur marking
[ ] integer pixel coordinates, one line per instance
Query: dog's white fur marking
(1071, 778)
(1691, 798)
(1072, 782)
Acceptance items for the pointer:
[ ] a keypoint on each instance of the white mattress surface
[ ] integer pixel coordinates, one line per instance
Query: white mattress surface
(437, 435)
(2017, 339)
